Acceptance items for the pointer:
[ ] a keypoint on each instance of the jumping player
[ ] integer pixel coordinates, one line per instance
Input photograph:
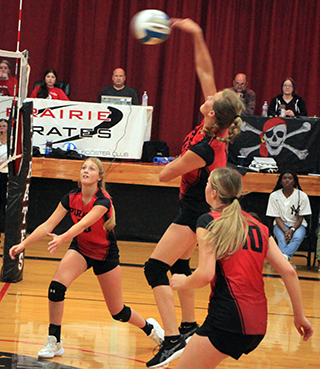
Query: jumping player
(203, 150)
(232, 249)
(93, 245)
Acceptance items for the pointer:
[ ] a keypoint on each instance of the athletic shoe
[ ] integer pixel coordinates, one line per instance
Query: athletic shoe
(168, 352)
(187, 334)
(157, 333)
(51, 348)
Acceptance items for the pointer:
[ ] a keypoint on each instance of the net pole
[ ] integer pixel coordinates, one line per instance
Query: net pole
(18, 45)
(19, 26)
(14, 103)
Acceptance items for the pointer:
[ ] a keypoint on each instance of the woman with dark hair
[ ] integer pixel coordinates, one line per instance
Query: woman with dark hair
(232, 249)
(288, 204)
(294, 104)
(47, 89)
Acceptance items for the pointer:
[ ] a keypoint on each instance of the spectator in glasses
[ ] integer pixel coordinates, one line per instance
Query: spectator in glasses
(247, 96)
(293, 104)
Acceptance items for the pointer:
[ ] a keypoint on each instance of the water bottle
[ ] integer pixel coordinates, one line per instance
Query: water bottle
(48, 152)
(166, 160)
(265, 109)
(162, 160)
(144, 99)
(282, 111)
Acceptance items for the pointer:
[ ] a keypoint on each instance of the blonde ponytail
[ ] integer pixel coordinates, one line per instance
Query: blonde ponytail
(228, 232)
(111, 222)
(234, 130)
(228, 107)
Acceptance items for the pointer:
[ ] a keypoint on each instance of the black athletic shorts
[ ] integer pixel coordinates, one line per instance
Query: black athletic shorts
(229, 343)
(100, 266)
(187, 217)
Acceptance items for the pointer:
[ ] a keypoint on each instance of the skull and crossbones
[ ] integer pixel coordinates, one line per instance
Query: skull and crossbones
(273, 137)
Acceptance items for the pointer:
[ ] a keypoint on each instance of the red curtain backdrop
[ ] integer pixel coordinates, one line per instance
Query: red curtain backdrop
(84, 40)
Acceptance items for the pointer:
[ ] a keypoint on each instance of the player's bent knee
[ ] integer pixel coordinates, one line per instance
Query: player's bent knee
(124, 315)
(156, 273)
(56, 291)
(181, 266)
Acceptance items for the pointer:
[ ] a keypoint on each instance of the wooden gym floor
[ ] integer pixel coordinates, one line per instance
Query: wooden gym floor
(91, 338)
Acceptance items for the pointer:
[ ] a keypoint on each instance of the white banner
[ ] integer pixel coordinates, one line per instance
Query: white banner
(92, 129)
(5, 106)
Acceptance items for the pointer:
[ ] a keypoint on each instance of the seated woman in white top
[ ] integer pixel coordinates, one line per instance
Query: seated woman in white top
(288, 204)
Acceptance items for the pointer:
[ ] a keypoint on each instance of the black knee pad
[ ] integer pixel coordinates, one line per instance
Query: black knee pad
(124, 314)
(56, 291)
(181, 266)
(156, 273)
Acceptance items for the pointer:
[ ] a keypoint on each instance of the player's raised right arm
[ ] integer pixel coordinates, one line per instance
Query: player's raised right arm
(40, 232)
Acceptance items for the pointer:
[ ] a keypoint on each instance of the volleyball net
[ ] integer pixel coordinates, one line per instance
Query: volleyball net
(18, 113)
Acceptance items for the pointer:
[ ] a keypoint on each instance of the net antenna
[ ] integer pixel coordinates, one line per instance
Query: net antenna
(22, 70)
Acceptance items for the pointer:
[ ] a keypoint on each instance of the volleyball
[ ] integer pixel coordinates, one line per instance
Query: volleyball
(151, 26)
(69, 146)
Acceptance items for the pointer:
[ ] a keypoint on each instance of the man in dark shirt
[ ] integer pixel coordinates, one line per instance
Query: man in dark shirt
(248, 97)
(119, 88)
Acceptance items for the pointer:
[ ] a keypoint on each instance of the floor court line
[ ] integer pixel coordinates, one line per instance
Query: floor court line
(78, 349)
(316, 279)
(4, 290)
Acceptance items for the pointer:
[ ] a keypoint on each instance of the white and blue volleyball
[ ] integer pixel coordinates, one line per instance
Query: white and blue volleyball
(151, 26)
(69, 146)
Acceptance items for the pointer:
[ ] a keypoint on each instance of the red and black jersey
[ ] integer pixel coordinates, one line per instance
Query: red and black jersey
(7, 86)
(95, 241)
(238, 303)
(193, 184)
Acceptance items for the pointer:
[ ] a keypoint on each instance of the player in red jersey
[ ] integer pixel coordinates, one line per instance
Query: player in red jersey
(232, 249)
(93, 245)
(203, 150)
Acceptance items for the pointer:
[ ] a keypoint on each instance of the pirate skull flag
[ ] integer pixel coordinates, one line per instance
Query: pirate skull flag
(292, 142)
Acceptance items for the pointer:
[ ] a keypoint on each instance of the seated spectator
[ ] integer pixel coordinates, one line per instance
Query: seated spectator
(119, 88)
(288, 204)
(294, 105)
(247, 96)
(7, 82)
(47, 89)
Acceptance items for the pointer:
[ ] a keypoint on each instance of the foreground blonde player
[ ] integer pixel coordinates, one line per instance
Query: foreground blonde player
(93, 245)
(232, 250)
